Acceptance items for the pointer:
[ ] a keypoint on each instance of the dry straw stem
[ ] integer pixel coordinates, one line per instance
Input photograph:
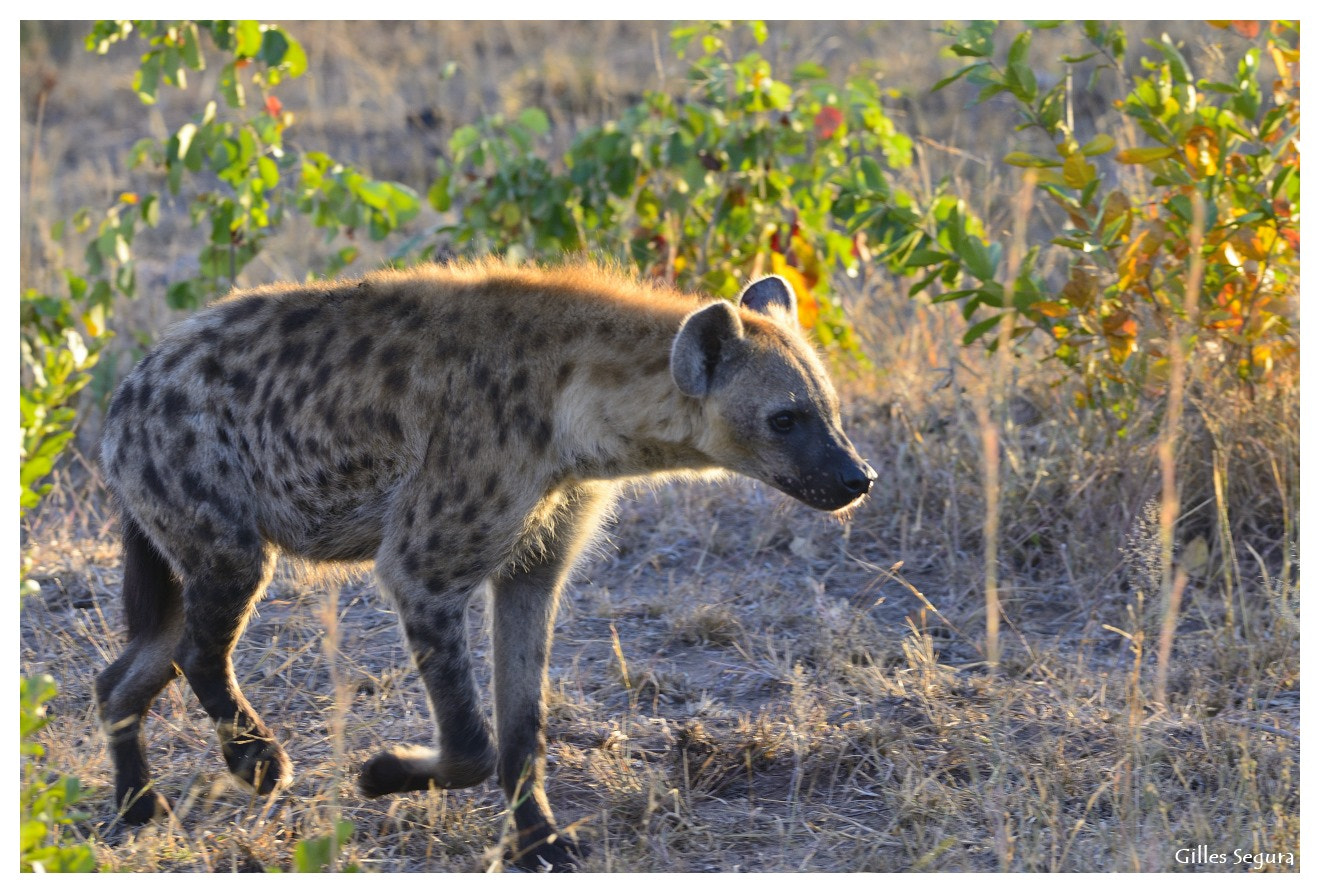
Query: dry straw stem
(1168, 445)
(989, 407)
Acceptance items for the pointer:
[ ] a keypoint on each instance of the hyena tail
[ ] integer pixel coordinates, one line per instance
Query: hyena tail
(152, 594)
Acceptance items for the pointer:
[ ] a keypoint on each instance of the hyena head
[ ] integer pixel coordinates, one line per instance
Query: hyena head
(770, 411)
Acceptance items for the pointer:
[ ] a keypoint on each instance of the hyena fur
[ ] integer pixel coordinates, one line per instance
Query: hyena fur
(459, 425)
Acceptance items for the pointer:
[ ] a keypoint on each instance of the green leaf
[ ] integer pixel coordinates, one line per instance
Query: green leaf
(1026, 159)
(810, 71)
(248, 37)
(535, 120)
(274, 45)
(438, 195)
(975, 332)
(1099, 145)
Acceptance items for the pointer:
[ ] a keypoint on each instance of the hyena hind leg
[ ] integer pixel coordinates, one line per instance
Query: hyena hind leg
(125, 689)
(217, 605)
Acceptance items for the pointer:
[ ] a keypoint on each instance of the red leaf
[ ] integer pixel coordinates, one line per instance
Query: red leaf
(1247, 29)
(274, 106)
(827, 122)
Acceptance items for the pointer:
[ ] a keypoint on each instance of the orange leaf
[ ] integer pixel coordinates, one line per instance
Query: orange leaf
(1248, 29)
(1202, 150)
(274, 106)
(808, 306)
(1051, 309)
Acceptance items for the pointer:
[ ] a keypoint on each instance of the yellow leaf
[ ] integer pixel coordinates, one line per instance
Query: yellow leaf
(1145, 155)
(1077, 171)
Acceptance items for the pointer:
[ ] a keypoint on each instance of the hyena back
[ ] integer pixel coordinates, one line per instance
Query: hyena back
(457, 425)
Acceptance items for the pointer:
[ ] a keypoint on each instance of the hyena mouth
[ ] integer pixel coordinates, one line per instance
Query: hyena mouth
(829, 492)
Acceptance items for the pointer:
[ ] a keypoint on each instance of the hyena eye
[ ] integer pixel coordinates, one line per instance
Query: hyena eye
(783, 422)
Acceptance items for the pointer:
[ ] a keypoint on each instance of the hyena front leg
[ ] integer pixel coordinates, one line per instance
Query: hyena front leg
(433, 608)
(524, 603)
(217, 601)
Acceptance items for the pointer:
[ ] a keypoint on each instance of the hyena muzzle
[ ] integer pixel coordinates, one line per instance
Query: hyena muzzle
(460, 426)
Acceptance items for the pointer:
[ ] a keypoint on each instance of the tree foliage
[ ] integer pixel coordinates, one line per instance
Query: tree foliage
(1232, 143)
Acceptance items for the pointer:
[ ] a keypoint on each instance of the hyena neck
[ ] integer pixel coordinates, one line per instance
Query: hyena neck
(631, 425)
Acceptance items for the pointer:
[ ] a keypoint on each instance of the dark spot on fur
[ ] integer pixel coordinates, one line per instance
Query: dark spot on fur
(212, 372)
(460, 491)
(481, 375)
(543, 434)
(275, 413)
(437, 583)
(239, 310)
(433, 542)
(396, 379)
(469, 514)
(392, 355)
(151, 478)
(437, 504)
(173, 404)
(411, 565)
(299, 318)
(291, 354)
(518, 383)
(123, 397)
(360, 350)
(193, 487)
(323, 344)
(562, 376)
(491, 483)
(242, 383)
(172, 359)
(389, 422)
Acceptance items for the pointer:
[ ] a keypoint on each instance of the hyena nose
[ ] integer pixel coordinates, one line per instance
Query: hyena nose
(857, 481)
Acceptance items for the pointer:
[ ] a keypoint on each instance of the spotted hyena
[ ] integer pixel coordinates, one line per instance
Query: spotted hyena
(457, 425)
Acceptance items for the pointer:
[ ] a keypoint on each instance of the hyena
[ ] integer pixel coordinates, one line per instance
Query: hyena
(459, 425)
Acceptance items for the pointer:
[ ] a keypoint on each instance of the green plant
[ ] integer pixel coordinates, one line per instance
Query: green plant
(1231, 143)
(740, 173)
(45, 803)
(237, 147)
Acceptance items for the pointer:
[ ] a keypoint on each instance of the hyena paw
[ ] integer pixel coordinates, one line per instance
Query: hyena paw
(259, 763)
(555, 854)
(418, 768)
(140, 807)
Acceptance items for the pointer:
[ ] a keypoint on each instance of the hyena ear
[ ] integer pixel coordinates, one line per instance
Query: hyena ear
(770, 293)
(707, 338)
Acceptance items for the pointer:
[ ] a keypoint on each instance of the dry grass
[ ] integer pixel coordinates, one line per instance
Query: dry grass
(738, 683)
